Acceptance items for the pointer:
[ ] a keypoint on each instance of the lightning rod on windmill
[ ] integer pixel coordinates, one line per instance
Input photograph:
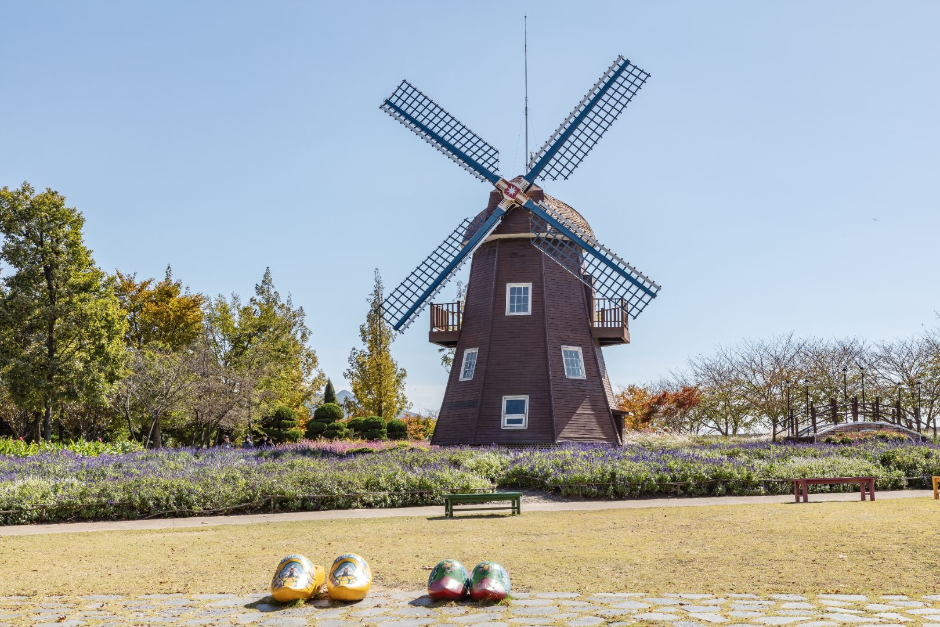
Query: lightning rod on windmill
(525, 54)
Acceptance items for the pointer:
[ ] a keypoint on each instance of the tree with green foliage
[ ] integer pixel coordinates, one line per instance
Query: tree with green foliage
(329, 394)
(164, 322)
(378, 384)
(273, 337)
(252, 358)
(159, 312)
(61, 326)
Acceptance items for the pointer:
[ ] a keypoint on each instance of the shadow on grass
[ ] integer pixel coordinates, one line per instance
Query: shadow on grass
(471, 516)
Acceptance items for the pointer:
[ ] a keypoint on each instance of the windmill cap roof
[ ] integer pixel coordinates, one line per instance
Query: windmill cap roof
(513, 224)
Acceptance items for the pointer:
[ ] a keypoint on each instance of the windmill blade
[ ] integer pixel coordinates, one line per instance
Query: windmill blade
(575, 138)
(588, 260)
(442, 130)
(425, 281)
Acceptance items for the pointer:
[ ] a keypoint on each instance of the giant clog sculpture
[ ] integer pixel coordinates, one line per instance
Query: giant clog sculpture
(448, 581)
(296, 578)
(489, 582)
(349, 578)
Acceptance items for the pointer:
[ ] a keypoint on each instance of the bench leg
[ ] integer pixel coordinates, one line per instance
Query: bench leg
(936, 487)
(796, 491)
(871, 490)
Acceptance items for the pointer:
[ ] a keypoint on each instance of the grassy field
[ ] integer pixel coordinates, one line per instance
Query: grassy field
(884, 547)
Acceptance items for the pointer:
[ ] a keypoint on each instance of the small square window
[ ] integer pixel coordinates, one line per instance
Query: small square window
(518, 299)
(469, 364)
(574, 362)
(515, 412)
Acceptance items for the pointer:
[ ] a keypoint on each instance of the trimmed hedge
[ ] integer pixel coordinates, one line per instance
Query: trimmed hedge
(328, 412)
(315, 429)
(374, 428)
(397, 430)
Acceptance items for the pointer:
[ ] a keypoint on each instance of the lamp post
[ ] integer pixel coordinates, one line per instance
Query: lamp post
(899, 403)
(845, 383)
(806, 390)
(862, 369)
(917, 386)
(790, 427)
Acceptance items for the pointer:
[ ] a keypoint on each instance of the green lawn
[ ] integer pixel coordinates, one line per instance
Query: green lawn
(880, 547)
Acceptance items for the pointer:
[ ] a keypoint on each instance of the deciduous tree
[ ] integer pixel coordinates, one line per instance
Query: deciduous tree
(378, 384)
(60, 323)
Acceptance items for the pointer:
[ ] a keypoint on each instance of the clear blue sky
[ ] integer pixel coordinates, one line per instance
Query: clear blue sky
(780, 171)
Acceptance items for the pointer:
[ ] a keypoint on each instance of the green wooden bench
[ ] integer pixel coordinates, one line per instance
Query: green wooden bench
(482, 497)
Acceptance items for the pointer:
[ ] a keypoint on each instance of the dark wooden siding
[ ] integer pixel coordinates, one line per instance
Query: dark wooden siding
(582, 412)
(456, 422)
(516, 362)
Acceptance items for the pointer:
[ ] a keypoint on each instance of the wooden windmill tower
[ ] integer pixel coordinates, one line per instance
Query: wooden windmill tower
(544, 295)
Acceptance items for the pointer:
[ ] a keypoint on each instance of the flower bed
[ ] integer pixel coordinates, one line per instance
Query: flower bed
(63, 485)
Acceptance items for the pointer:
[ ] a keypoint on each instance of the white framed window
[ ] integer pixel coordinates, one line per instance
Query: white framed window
(515, 412)
(469, 364)
(518, 299)
(574, 362)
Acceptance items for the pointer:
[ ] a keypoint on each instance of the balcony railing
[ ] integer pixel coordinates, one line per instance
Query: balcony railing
(610, 322)
(445, 323)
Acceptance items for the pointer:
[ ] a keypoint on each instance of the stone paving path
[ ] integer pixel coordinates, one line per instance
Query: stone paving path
(402, 609)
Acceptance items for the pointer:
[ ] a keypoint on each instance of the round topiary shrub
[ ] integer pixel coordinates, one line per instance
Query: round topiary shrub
(397, 430)
(355, 425)
(281, 426)
(373, 428)
(336, 431)
(328, 413)
(315, 429)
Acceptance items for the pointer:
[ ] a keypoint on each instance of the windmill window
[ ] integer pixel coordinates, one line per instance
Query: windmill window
(574, 362)
(469, 364)
(515, 412)
(518, 299)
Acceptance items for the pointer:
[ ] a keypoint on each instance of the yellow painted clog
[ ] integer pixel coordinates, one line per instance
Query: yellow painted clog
(350, 578)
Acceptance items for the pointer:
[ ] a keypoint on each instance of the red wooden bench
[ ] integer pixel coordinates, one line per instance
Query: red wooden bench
(801, 486)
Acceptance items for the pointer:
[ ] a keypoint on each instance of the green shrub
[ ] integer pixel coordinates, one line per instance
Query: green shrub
(281, 426)
(328, 413)
(83, 448)
(336, 431)
(315, 429)
(362, 450)
(355, 425)
(374, 428)
(397, 430)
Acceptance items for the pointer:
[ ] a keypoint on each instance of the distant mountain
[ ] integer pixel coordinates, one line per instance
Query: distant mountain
(341, 396)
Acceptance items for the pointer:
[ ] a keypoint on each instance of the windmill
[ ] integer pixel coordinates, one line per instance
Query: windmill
(543, 296)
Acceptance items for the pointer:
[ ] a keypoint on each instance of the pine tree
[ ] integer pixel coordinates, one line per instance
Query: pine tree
(329, 394)
(378, 384)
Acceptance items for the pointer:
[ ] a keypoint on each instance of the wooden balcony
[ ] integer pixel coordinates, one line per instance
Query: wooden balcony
(445, 324)
(610, 323)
